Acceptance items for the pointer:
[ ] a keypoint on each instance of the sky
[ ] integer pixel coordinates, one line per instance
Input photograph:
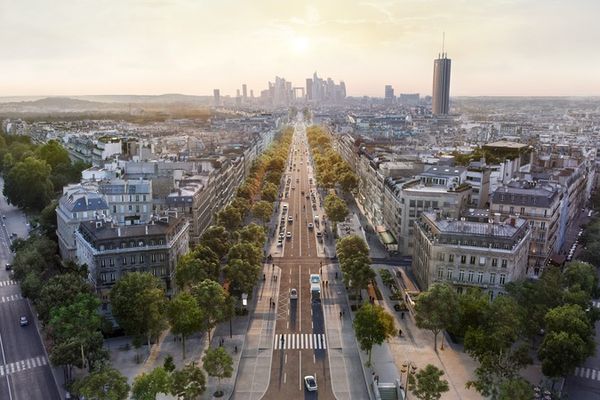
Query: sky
(497, 47)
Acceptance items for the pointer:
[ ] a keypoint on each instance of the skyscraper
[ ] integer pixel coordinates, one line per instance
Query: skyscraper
(440, 104)
(244, 91)
(389, 94)
(217, 97)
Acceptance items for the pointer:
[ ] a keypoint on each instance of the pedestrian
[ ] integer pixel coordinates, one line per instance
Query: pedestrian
(400, 332)
(341, 313)
(264, 277)
(336, 275)
(235, 349)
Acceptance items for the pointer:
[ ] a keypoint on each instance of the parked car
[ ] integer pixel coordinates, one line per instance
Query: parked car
(8, 267)
(23, 321)
(293, 294)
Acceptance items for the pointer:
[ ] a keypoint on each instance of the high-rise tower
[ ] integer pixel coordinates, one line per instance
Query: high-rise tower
(440, 104)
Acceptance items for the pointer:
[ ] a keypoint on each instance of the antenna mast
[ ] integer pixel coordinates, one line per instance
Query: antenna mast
(443, 42)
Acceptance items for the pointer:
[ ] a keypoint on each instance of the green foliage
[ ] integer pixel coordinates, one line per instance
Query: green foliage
(336, 208)
(253, 234)
(148, 385)
(213, 301)
(473, 307)
(169, 363)
(349, 246)
(105, 384)
(230, 218)
(428, 384)
(246, 251)
(357, 272)
(242, 275)
(60, 290)
(216, 238)
(269, 191)
(386, 277)
(262, 210)
(436, 309)
(516, 389)
(372, 326)
(218, 363)
(138, 304)
(561, 352)
(194, 267)
(28, 184)
(185, 316)
(188, 383)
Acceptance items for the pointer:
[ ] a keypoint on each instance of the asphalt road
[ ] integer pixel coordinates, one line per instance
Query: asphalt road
(300, 342)
(25, 372)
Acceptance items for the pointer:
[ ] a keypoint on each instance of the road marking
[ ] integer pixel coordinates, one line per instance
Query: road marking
(299, 341)
(596, 303)
(23, 365)
(8, 283)
(587, 373)
(14, 297)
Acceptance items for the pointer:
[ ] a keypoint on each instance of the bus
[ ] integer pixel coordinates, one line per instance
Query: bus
(315, 286)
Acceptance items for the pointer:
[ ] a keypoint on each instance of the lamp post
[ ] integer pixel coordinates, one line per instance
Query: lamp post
(410, 369)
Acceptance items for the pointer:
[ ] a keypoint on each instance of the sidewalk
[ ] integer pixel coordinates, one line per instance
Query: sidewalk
(416, 346)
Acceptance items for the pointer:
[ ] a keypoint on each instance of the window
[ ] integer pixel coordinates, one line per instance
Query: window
(103, 278)
(412, 203)
(512, 210)
(523, 210)
(472, 260)
(434, 204)
(449, 274)
(103, 263)
(141, 259)
(502, 279)
(441, 256)
(493, 278)
(504, 263)
(461, 275)
(482, 260)
(494, 262)
(451, 258)
(463, 259)
(162, 257)
(124, 261)
(480, 277)
(420, 203)
(132, 259)
(440, 273)
(153, 257)
(130, 207)
(111, 262)
(471, 275)
(543, 225)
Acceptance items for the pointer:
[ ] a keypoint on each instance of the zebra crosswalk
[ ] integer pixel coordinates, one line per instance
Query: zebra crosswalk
(13, 297)
(23, 365)
(596, 303)
(587, 373)
(8, 283)
(298, 341)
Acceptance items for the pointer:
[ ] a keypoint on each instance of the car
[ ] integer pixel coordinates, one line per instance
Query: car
(297, 180)
(4, 217)
(284, 206)
(293, 294)
(293, 187)
(289, 235)
(13, 234)
(310, 225)
(290, 219)
(279, 242)
(311, 383)
(281, 235)
(23, 321)
(7, 267)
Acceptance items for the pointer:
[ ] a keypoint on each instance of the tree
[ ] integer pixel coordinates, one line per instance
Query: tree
(572, 319)
(246, 251)
(254, 234)
(185, 316)
(54, 154)
(217, 363)
(104, 384)
(336, 209)
(472, 310)
(197, 265)
(28, 184)
(242, 275)
(230, 218)
(47, 219)
(349, 246)
(138, 304)
(372, 326)
(169, 363)
(581, 275)
(561, 352)
(148, 385)
(269, 192)
(427, 383)
(262, 210)
(212, 299)
(188, 383)
(348, 181)
(357, 273)
(436, 309)
(516, 389)
(216, 238)
(60, 290)
(79, 323)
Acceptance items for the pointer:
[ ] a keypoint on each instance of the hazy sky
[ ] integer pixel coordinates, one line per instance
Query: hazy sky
(497, 47)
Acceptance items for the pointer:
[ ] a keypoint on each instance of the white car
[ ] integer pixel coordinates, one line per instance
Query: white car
(293, 294)
(281, 235)
(290, 219)
(310, 225)
(311, 383)
(279, 242)
(289, 235)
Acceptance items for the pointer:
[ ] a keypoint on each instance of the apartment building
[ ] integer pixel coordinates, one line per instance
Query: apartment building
(130, 200)
(110, 250)
(482, 253)
(540, 205)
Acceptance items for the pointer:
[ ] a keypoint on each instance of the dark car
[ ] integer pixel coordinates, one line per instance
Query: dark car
(7, 267)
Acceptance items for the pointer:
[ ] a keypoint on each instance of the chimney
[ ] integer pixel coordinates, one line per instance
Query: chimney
(513, 220)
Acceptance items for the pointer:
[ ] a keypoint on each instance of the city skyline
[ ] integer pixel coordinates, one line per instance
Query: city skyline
(182, 46)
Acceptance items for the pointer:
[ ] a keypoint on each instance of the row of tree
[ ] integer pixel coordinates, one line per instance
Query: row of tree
(501, 334)
(34, 174)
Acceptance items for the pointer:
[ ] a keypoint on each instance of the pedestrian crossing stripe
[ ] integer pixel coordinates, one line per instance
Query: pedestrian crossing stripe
(298, 341)
(587, 373)
(8, 283)
(596, 303)
(23, 365)
(14, 297)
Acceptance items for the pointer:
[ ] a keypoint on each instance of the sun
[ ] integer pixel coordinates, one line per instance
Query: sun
(299, 44)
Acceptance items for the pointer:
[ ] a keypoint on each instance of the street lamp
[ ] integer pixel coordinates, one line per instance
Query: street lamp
(409, 368)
